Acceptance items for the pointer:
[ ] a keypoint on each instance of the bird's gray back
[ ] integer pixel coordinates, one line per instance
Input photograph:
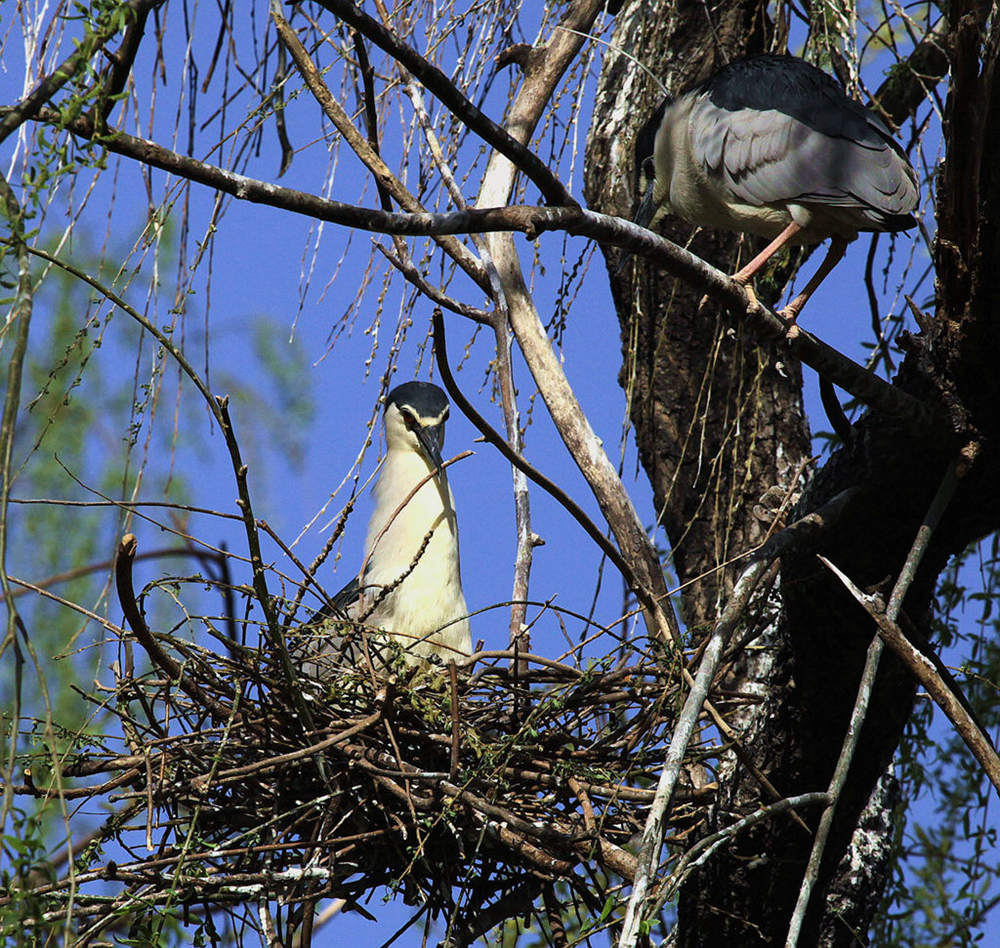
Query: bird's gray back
(795, 88)
(776, 129)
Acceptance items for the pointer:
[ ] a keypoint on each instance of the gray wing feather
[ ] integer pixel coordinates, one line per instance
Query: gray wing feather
(339, 604)
(769, 157)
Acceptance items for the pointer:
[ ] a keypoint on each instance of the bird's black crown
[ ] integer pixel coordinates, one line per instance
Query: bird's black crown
(426, 399)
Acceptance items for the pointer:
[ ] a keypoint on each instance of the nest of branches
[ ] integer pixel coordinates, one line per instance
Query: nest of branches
(254, 775)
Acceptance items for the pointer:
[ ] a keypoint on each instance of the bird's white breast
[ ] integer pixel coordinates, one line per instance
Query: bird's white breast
(426, 611)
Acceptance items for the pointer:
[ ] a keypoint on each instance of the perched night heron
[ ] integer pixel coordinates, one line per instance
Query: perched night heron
(771, 145)
(411, 585)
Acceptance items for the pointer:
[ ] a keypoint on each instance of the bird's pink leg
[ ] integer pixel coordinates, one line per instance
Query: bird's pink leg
(745, 274)
(838, 247)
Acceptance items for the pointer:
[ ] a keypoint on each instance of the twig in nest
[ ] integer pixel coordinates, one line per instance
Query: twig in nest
(126, 596)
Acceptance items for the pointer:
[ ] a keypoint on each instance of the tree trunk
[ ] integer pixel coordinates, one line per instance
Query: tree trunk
(719, 420)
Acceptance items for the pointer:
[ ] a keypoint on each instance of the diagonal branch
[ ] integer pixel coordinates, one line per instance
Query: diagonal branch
(219, 406)
(531, 220)
(126, 597)
(702, 851)
(449, 95)
(122, 60)
(792, 537)
(932, 518)
(548, 64)
(493, 437)
(387, 182)
(92, 41)
(927, 674)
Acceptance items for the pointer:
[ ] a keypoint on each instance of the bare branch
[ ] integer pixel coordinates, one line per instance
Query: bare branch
(652, 836)
(387, 182)
(925, 671)
(932, 518)
(702, 851)
(123, 59)
(446, 92)
(494, 438)
(126, 597)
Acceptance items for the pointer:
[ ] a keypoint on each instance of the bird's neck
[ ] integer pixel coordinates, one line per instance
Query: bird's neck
(431, 507)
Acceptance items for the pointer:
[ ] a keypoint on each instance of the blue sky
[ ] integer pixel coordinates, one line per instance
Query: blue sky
(257, 258)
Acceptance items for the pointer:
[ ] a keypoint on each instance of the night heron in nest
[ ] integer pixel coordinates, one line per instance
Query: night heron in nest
(410, 586)
(771, 145)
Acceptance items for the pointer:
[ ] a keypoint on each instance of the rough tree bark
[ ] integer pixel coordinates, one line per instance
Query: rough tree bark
(719, 420)
(719, 423)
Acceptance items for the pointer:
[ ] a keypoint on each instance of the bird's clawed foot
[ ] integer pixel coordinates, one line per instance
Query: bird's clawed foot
(790, 317)
(748, 286)
(789, 314)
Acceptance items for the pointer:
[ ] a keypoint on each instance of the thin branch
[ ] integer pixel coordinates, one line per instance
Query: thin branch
(122, 60)
(932, 518)
(479, 920)
(219, 406)
(253, 537)
(439, 85)
(126, 597)
(200, 783)
(405, 265)
(925, 671)
(702, 851)
(652, 836)
(548, 64)
(93, 40)
(20, 317)
(499, 321)
(554, 916)
(387, 182)
(858, 714)
(687, 720)
(492, 436)
(371, 113)
(456, 723)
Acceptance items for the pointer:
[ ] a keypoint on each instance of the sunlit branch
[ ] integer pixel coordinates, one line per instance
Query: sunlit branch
(494, 438)
(792, 537)
(533, 220)
(123, 58)
(406, 266)
(19, 316)
(931, 520)
(126, 597)
(702, 851)
(388, 183)
(924, 670)
(220, 410)
(499, 321)
(449, 95)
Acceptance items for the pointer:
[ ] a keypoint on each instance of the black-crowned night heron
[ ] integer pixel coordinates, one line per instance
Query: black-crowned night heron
(410, 586)
(771, 145)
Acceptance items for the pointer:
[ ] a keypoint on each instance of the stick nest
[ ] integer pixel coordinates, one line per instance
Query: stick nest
(456, 786)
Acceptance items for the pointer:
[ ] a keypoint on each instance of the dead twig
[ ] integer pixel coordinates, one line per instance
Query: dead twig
(926, 672)
(137, 623)
(932, 518)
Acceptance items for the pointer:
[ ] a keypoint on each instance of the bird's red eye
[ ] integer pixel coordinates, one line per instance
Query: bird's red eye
(409, 420)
